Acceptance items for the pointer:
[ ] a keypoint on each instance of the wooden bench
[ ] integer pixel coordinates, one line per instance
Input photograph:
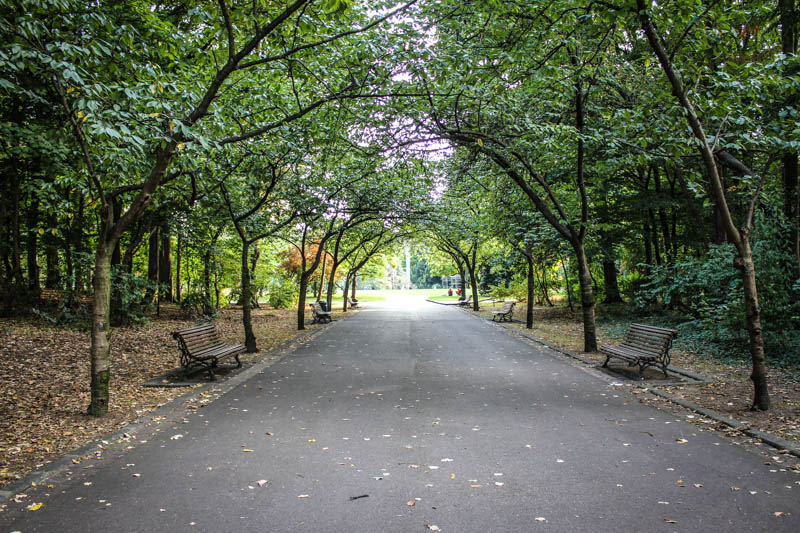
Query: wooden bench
(643, 346)
(319, 314)
(353, 304)
(465, 302)
(201, 348)
(506, 313)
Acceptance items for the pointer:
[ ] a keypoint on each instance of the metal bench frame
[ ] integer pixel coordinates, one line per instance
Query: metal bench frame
(202, 349)
(320, 316)
(506, 313)
(643, 346)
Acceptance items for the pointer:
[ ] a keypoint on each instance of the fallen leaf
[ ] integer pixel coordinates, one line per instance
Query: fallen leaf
(681, 441)
(176, 436)
(246, 450)
(303, 496)
(432, 527)
(262, 482)
(411, 503)
(37, 506)
(540, 519)
(452, 476)
(779, 513)
(668, 521)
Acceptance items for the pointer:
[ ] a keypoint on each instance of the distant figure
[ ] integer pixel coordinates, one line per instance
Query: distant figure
(449, 292)
(458, 292)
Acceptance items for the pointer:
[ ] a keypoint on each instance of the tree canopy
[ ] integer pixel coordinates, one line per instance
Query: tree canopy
(205, 152)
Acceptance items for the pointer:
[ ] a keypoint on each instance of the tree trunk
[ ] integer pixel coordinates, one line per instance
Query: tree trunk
(116, 261)
(301, 302)
(654, 236)
(207, 282)
(744, 262)
(611, 282)
(322, 277)
(544, 288)
(152, 266)
(53, 278)
(32, 223)
(253, 264)
(247, 319)
(531, 289)
(353, 281)
(77, 245)
(16, 262)
(344, 293)
(100, 351)
(587, 299)
(216, 290)
(178, 254)
(473, 281)
(331, 286)
(5, 249)
(165, 263)
(567, 285)
(648, 249)
(662, 216)
(463, 276)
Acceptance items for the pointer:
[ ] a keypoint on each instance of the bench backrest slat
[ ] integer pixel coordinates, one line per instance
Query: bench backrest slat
(649, 339)
(198, 338)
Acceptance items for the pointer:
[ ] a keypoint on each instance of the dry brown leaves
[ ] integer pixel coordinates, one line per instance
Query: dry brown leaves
(730, 394)
(45, 388)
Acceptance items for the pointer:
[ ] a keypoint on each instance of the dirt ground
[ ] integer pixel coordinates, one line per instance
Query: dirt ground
(729, 393)
(44, 391)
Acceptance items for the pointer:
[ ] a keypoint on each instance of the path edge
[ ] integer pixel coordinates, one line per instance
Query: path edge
(767, 438)
(64, 462)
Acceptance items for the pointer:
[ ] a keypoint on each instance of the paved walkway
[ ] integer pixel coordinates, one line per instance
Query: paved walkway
(411, 416)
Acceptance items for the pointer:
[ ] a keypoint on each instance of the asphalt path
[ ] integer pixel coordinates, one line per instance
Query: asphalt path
(411, 416)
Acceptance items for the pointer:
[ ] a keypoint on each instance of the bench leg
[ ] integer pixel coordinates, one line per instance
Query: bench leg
(238, 363)
(608, 358)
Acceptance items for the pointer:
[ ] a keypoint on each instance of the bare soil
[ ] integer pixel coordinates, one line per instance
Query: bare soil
(44, 391)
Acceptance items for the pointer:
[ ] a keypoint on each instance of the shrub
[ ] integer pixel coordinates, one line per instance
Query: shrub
(282, 294)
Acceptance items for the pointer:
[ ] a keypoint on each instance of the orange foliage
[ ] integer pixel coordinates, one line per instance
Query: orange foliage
(292, 264)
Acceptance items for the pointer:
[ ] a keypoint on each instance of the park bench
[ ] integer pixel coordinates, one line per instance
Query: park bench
(352, 303)
(644, 346)
(201, 348)
(506, 313)
(320, 315)
(465, 302)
